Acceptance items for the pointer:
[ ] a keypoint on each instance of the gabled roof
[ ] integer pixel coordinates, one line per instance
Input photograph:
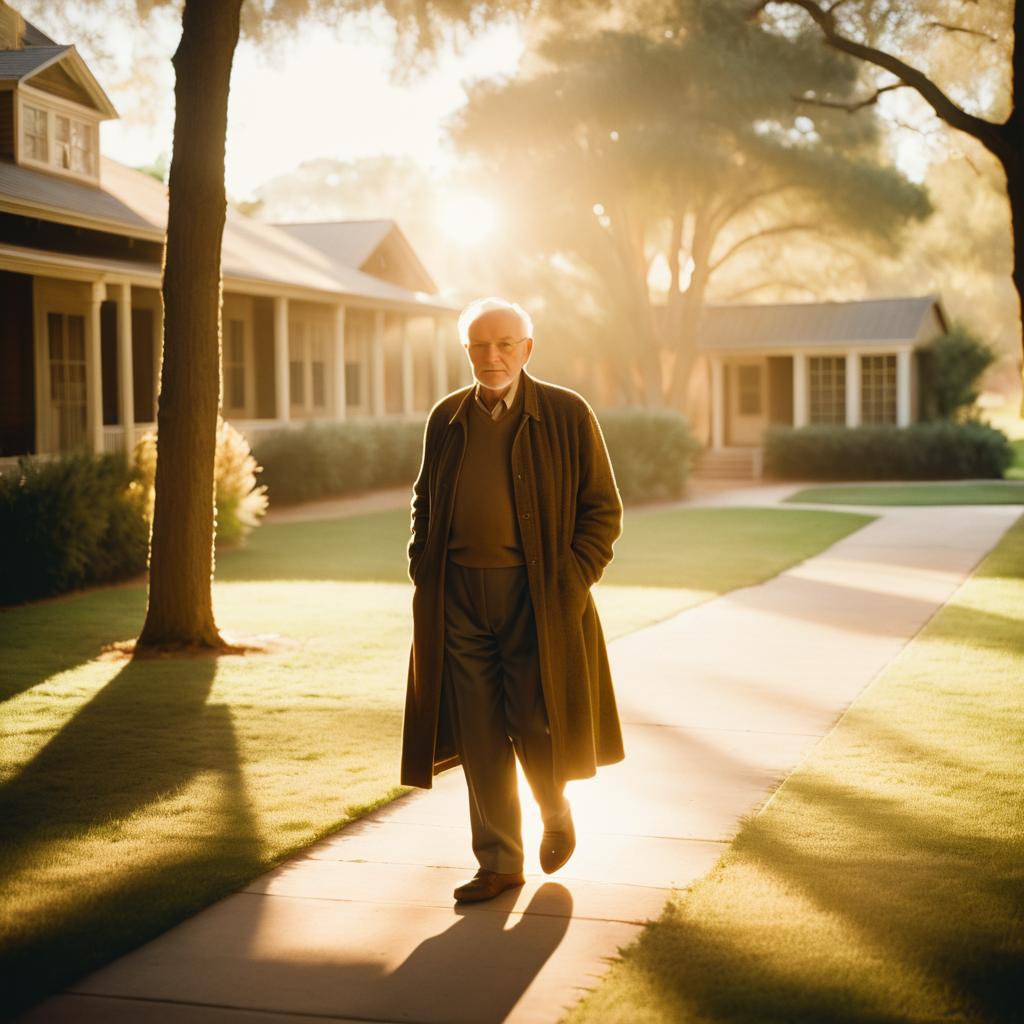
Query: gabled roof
(20, 66)
(871, 321)
(352, 243)
(348, 242)
(135, 204)
(17, 65)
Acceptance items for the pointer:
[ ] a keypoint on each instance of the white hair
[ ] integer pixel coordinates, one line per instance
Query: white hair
(479, 307)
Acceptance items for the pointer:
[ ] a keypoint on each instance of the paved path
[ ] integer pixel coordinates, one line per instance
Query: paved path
(719, 703)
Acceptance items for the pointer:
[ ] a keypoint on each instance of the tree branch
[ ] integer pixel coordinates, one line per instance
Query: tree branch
(779, 229)
(993, 136)
(947, 27)
(853, 107)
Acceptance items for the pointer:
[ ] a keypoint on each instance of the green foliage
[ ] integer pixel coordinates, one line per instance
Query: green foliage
(950, 368)
(923, 451)
(239, 500)
(68, 523)
(321, 460)
(651, 452)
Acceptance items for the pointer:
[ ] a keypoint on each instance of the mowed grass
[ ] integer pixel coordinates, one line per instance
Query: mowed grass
(969, 492)
(884, 879)
(134, 793)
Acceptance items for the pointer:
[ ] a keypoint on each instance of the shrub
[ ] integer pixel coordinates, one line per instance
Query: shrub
(239, 500)
(950, 367)
(924, 451)
(321, 460)
(67, 523)
(651, 451)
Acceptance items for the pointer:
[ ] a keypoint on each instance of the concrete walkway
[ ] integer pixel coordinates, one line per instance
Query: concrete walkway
(719, 703)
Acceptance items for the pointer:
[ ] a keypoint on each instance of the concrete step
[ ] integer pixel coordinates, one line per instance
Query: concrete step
(729, 464)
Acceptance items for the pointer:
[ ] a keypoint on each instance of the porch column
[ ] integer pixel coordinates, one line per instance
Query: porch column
(282, 385)
(717, 404)
(799, 389)
(440, 362)
(339, 363)
(408, 369)
(853, 389)
(94, 369)
(903, 387)
(126, 375)
(377, 403)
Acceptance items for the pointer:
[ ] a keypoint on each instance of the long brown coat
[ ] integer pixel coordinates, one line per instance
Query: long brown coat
(569, 513)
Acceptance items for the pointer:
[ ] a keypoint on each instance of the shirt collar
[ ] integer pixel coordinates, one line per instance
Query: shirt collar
(505, 403)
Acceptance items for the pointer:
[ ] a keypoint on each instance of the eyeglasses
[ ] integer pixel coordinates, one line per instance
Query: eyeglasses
(505, 347)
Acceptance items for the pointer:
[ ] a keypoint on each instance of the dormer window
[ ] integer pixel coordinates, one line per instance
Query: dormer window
(58, 141)
(36, 134)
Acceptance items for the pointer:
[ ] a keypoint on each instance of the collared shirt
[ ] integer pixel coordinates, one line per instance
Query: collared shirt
(503, 405)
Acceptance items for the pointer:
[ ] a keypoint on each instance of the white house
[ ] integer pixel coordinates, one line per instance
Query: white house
(320, 322)
(841, 363)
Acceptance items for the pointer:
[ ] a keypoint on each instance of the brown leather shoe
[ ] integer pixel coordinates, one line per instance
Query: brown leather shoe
(556, 845)
(485, 885)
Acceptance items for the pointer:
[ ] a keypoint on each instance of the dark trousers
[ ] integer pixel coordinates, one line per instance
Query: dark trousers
(492, 677)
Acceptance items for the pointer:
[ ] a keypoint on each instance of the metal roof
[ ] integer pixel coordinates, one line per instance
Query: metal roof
(348, 242)
(871, 321)
(16, 65)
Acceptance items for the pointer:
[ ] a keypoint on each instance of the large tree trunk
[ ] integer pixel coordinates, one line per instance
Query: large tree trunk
(180, 611)
(1014, 169)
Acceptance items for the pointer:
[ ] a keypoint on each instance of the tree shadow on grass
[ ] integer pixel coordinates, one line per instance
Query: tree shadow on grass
(143, 738)
(41, 640)
(935, 905)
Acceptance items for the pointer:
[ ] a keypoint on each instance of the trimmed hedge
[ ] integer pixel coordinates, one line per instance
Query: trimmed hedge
(923, 451)
(650, 450)
(320, 460)
(68, 523)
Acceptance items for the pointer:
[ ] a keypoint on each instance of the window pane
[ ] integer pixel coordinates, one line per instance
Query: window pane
(878, 389)
(295, 380)
(55, 331)
(34, 133)
(827, 389)
(318, 385)
(76, 338)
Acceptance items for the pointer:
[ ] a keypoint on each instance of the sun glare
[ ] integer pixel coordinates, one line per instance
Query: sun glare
(467, 218)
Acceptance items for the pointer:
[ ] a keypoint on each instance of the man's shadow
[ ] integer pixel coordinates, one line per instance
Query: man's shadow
(478, 970)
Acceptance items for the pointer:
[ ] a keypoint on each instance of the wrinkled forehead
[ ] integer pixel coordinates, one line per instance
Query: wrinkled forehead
(497, 323)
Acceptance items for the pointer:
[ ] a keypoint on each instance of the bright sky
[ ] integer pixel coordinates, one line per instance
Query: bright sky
(310, 95)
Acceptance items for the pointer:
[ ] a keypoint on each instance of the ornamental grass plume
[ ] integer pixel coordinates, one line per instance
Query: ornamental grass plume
(239, 500)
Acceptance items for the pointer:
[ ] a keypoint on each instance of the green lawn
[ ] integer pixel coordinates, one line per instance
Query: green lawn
(132, 794)
(884, 879)
(971, 492)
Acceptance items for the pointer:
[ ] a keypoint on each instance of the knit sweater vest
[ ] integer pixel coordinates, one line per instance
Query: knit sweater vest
(484, 533)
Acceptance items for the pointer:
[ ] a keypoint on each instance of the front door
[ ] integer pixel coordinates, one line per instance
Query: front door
(65, 337)
(747, 403)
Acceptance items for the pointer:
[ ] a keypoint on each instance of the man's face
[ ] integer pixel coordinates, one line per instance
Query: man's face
(498, 348)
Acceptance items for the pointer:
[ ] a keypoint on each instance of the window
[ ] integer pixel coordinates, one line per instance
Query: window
(878, 389)
(828, 389)
(234, 366)
(60, 141)
(749, 385)
(310, 340)
(35, 133)
(318, 368)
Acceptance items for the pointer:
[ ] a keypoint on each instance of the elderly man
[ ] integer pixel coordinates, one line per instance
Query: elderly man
(514, 514)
